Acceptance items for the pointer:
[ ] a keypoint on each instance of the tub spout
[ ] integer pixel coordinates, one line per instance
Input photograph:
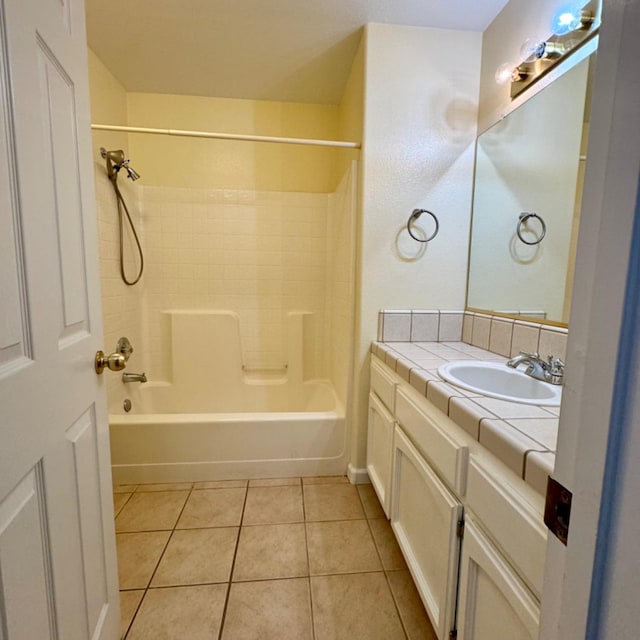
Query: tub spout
(134, 377)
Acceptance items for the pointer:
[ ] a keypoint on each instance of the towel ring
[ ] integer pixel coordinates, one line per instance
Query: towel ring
(522, 219)
(414, 216)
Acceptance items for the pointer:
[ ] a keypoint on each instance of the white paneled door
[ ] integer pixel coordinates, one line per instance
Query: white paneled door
(58, 575)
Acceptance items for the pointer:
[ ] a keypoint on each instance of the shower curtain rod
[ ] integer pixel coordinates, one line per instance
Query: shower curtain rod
(227, 136)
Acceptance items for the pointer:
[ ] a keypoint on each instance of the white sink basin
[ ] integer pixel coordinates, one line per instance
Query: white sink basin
(499, 381)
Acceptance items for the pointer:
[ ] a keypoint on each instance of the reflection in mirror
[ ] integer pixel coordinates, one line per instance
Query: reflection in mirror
(531, 162)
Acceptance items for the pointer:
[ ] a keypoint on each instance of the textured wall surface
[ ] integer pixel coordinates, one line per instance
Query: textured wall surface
(420, 107)
(224, 164)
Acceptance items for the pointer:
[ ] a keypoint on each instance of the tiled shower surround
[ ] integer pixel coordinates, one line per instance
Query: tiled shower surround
(257, 253)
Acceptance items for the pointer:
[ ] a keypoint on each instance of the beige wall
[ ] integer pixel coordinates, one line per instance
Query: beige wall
(351, 110)
(121, 304)
(213, 164)
(255, 228)
(501, 42)
(108, 106)
(420, 105)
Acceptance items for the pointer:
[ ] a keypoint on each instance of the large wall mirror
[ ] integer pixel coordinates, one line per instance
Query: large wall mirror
(527, 199)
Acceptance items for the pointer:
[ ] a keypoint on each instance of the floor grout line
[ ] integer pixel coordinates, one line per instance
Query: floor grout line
(306, 547)
(233, 564)
(229, 582)
(384, 571)
(153, 573)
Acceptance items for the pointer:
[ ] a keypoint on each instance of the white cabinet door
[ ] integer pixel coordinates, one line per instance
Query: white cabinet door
(424, 517)
(380, 450)
(58, 575)
(494, 604)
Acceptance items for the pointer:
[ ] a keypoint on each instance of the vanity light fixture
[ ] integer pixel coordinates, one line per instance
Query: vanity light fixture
(572, 26)
(571, 17)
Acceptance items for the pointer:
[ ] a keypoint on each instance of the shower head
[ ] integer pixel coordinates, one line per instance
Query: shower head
(116, 161)
(131, 173)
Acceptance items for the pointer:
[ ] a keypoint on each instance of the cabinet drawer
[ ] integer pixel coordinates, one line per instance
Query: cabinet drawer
(384, 384)
(512, 521)
(380, 450)
(448, 455)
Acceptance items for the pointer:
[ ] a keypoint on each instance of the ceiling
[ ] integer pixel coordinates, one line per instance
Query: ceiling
(288, 50)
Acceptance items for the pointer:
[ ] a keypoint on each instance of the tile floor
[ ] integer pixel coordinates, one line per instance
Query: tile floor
(282, 559)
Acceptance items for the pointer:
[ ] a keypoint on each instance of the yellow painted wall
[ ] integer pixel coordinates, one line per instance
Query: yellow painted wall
(351, 111)
(420, 109)
(121, 305)
(108, 105)
(205, 163)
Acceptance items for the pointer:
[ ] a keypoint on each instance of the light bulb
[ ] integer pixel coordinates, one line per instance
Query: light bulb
(504, 72)
(531, 50)
(566, 19)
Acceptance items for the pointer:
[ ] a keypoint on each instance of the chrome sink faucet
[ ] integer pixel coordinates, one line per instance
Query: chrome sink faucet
(550, 370)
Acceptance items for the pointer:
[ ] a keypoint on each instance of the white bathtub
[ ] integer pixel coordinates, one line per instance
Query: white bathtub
(214, 423)
(270, 441)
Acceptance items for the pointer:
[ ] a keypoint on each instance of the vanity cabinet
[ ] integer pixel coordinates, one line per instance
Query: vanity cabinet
(425, 517)
(494, 603)
(380, 450)
(470, 529)
(380, 432)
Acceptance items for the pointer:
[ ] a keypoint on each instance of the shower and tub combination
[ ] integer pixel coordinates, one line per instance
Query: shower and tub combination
(211, 413)
(216, 420)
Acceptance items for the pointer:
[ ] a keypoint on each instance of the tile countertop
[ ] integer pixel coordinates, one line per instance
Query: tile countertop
(522, 436)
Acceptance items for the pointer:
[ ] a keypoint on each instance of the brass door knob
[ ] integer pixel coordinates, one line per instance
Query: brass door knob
(114, 361)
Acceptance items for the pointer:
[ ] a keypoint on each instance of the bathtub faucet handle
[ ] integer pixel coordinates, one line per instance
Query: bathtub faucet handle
(124, 347)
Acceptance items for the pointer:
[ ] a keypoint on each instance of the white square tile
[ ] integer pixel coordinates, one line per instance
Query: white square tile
(481, 331)
(507, 444)
(542, 430)
(467, 328)
(553, 342)
(450, 326)
(539, 466)
(424, 326)
(507, 410)
(525, 338)
(501, 334)
(419, 378)
(467, 414)
(396, 326)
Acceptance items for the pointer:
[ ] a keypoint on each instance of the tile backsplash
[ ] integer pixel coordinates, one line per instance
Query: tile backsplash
(420, 326)
(503, 336)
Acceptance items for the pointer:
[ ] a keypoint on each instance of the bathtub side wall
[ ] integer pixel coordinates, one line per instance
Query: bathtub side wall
(184, 449)
(340, 281)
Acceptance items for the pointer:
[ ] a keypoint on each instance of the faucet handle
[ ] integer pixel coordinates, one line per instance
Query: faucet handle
(556, 365)
(554, 370)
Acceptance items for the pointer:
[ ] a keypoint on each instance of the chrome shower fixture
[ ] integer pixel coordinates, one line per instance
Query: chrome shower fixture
(116, 161)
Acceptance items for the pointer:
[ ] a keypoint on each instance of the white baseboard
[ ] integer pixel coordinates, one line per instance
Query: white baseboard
(357, 476)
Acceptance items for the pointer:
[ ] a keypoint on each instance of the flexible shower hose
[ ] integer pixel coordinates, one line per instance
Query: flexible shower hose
(123, 205)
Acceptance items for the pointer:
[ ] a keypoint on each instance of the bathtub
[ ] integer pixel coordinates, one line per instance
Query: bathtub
(225, 423)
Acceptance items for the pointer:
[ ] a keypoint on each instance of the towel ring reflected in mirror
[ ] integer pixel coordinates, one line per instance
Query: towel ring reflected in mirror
(416, 213)
(522, 220)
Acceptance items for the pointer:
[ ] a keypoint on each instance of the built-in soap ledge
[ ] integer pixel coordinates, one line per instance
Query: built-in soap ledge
(522, 436)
